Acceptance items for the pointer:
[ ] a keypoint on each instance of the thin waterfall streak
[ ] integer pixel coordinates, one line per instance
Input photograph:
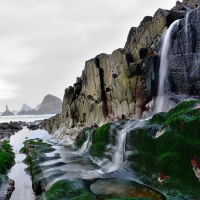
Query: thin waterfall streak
(163, 71)
(186, 43)
(85, 145)
(117, 158)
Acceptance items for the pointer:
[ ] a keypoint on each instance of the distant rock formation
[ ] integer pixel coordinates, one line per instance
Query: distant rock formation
(49, 105)
(25, 107)
(7, 112)
(15, 112)
(37, 107)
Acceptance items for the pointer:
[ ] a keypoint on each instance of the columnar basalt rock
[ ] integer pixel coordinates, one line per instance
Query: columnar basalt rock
(123, 84)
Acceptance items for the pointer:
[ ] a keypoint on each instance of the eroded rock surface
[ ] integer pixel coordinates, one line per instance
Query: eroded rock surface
(6, 187)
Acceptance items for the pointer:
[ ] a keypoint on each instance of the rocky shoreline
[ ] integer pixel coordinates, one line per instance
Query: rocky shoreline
(6, 162)
(7, 129)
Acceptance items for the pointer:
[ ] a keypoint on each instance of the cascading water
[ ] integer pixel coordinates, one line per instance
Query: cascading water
(162, 102)
(86, 144)
(186, 30)
(186, 43)
(117, 157)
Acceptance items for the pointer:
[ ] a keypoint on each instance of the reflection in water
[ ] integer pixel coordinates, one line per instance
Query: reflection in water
(23, 185)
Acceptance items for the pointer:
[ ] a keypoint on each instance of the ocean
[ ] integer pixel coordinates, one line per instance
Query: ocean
(25, 118)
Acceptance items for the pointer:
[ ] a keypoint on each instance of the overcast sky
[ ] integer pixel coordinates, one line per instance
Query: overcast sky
(44, 43)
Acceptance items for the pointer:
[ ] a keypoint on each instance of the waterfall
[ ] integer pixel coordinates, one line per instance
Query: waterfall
(85, 146)
(117, 157)
(186, 30)
(162, 100)
(186, 43)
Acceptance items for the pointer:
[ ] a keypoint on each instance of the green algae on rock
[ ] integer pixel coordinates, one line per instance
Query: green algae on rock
(6, 157)
(6, 162)
(68, 190)
(169, 152)
(35, 150)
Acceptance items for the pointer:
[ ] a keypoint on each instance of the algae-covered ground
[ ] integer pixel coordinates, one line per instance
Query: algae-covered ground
(6, 157)
(68, 190)
(166, 152)
(35, 150)
(6, 162)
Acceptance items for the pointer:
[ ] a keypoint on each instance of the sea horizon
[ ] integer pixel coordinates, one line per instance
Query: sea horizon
(25, 118)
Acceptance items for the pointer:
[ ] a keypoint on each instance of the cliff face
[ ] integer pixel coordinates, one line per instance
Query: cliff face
(123, 84)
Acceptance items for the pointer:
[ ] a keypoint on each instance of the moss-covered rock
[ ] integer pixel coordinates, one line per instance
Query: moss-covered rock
(82, 137)
(100, 138)
(35, 150)
(6, 157)
(168, 154)
(68, 190)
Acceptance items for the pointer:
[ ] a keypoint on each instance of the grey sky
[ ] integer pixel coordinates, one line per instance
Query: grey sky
(44, 43)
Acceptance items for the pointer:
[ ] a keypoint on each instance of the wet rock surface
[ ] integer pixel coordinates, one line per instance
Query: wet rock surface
(121, 188)
(6, 162)
(34, 125)
(35, 151)
(6, 187)
(10, 128)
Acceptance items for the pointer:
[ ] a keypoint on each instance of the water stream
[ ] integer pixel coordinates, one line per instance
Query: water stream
(119, 149)
(186, 30)
(85, 146)
(23, 185)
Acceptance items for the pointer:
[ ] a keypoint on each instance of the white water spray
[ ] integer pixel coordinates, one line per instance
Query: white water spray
(117, 158)
(86, 144)
(162, 100)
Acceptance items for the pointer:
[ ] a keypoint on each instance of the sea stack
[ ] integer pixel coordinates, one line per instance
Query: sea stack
(50, 105)
(7, 112)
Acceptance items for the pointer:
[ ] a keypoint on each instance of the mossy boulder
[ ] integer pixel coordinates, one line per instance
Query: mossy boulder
(68, 190)
(100, 138)
(6, 157)
(170, 152)
(82, 137)
(35, 150)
